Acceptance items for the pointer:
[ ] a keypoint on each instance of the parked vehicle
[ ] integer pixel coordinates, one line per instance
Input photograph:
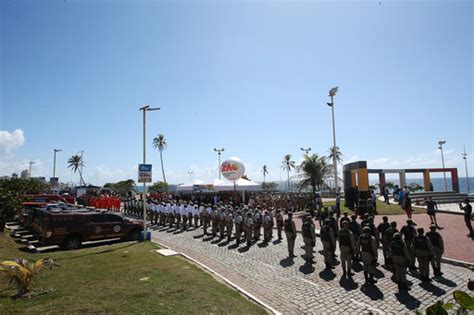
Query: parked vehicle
(69, 228)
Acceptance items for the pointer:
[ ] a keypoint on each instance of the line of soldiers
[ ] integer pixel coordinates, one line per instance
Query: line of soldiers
(360, 242)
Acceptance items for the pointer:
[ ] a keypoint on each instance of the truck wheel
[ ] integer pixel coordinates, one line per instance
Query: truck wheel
(135, 235)
(73, 242)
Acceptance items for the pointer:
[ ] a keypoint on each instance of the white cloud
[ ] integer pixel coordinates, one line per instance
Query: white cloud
(10, 141)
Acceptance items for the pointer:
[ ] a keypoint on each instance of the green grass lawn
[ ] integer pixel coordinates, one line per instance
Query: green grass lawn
(106, 279)
(382, 208)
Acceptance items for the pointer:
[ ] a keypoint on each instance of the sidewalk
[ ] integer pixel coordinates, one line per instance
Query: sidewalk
(291, 287)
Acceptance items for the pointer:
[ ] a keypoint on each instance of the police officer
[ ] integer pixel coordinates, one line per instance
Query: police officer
(279, 223)
(309, 238)
(229, 222)
(347, 247)
(238, 226)
(333, 223)
(248, 228)
(205, 218)
(267, 226)
(401, 259)
(369, 254)
(345, 218)
(257, 219)
(329, 243)
(184, 216)
(388, 238)
(424, 253)
(382, 227)
(438, 249)
(222, 223)
(290, 231)
(356, 230)
(214, 221)
(408, 231)
(178, 215)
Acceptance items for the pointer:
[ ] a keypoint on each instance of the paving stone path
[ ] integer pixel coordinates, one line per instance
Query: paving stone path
(291, 287)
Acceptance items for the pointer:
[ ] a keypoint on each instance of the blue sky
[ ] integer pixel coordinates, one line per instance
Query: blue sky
(251, 77)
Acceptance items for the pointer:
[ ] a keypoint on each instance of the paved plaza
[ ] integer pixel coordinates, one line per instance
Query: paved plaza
(292, 287)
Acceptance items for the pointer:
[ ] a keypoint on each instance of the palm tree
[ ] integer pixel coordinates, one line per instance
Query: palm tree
(287, 164)
(331, 154)
(159, 143)
(76, 163)
(264, 172)
(313, 170)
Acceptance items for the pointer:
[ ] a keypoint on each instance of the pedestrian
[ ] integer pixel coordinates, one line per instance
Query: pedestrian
(406, 205)
(401, 259)
(369, 254)
(309, 238)
(438, 249)
(385, 195)
(423, 250)
(329, 243)
(290, 231)
(467, 208)
(431, 208)
(279, 223)
(347, 247)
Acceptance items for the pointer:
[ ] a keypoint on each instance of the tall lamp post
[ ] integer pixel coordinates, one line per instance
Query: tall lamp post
(31, 163)
(219, 151)
(54, 161)
(441, 142)
(332, 93)
(306, 151)
(464, 156)
(145, 109)
(190, 173)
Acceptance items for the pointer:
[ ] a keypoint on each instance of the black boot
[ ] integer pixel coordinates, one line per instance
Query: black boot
(372, 279)
(366, 277)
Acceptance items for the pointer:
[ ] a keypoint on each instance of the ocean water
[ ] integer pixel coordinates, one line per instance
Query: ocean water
(438, 183)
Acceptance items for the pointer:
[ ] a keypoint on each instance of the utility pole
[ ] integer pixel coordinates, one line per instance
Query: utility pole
(332, 93)
(441, 142)
(464, 156)
(145, 109)
(54, 161)
(219, 151)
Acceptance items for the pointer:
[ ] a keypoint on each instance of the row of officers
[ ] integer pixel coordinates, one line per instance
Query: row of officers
(358, 240)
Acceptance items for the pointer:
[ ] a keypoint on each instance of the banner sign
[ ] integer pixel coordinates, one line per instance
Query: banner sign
(54, 180)
(144, 173)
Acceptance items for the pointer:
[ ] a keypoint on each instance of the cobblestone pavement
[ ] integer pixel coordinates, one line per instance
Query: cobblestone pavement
(294, 288)
(458, 245)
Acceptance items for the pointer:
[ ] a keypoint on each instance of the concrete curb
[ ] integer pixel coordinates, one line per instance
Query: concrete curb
(235, 286)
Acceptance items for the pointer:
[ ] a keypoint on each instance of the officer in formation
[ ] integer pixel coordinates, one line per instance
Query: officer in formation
(382, 227)
(328, 239)
(369, 253)
(401, 259)
(408, 232)
(438, 249)
(424, 253)
(279, 223)
(309, 238)
(347, 246)
(290, 231)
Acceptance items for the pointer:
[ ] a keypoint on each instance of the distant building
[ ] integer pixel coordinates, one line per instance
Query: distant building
(4, 177)
(24, 174)
(14, 176)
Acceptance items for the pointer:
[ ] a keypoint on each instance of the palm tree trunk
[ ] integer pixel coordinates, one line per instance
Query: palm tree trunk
(162, 168)
(289, 187)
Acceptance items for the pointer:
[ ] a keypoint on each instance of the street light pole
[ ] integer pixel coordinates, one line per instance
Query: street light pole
(464, 156)
(190, 173)
(54, 162)
(441, 142)
(219, 151)
(31, 163)
(332, 93)
(145, 109)
(306, 151)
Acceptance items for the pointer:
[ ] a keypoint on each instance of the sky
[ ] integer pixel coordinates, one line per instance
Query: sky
(251, 77)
